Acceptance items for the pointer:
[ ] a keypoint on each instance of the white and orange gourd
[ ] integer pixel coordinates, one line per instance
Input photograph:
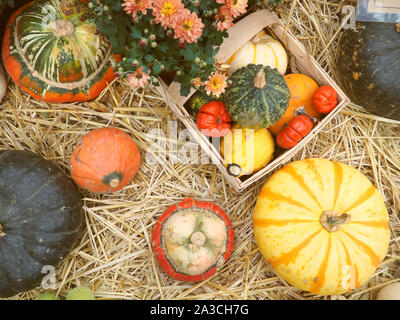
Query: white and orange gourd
(192, 239)
(322, 226)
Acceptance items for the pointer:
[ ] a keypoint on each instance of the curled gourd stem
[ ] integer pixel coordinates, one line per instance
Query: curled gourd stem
(259, 80)
(332, 221)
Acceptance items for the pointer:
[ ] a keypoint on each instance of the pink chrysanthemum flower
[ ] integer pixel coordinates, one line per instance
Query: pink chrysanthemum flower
(236, 7)
(188, 27)
(224, 19)
(221, 1)
(165, 12)
(216, 84)
(133, 6)
(139, 79)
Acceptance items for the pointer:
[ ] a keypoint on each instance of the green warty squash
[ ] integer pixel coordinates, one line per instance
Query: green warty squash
(258, 96)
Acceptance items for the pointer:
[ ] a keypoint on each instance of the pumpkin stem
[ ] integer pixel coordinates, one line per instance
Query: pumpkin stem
(114, 183)
(234, 169)
(332, 221)
(63, 28)
(198, 238)
(259, 80)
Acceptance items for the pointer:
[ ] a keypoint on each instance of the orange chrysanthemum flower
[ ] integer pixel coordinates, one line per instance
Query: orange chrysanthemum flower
(224, 19)
(166, 11)
(139, 79)
(188, 27)
(236, 7)
(133, 6)
(216, 84)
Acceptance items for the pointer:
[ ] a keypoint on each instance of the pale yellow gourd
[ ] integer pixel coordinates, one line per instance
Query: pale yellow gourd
(322, 226)
(248, 149)
(262, 49)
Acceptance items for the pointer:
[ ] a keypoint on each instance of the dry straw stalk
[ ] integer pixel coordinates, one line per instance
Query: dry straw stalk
(113, 255)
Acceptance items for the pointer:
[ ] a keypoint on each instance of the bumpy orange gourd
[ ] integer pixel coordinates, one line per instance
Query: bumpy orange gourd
(301, 89)
(322, 226)
(106, 160)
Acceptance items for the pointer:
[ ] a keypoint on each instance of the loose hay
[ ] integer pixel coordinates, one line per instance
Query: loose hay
(114, 256)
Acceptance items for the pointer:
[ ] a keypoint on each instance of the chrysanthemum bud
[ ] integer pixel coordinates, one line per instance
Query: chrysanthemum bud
(143, 42)
(170, 33)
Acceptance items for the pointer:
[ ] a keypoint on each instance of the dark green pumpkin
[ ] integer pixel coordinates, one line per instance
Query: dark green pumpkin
(197, 100)
(369, 67)
(258, 96)
(40, 219)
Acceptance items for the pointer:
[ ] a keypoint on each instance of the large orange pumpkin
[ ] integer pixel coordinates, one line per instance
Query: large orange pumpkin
(105, 161)
(301, 89)
(55, 53)
(322, 226)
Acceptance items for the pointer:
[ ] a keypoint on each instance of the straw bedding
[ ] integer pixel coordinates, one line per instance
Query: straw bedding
(113, 256)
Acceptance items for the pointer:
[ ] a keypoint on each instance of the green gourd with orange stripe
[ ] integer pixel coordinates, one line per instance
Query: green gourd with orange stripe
(322, 226)
(262, 49)
(53, 51)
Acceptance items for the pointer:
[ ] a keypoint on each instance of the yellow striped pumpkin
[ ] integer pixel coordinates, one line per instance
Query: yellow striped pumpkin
(262, 49)
(322, 226)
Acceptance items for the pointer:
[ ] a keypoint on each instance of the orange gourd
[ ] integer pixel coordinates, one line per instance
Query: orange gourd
(105, 161)
(301, 89)
(322, 226)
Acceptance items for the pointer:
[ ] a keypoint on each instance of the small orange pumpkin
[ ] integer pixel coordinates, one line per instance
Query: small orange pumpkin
(301, 89)
(106, 160)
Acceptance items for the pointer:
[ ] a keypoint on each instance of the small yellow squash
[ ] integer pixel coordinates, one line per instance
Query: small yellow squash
(247, 150)
(322, 226)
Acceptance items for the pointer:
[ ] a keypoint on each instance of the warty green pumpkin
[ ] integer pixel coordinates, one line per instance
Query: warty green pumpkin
(54, 52)
(258, 96)
(369, 66)
(40, 219)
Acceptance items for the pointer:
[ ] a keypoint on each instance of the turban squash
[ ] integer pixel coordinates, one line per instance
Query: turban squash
(40, 219)
(53, 52)
(322, 226)
(192, 239)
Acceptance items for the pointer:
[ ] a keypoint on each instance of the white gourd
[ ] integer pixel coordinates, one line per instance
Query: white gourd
(262, 49)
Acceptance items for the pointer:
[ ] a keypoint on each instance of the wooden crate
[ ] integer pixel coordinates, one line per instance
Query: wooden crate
(242, 32)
